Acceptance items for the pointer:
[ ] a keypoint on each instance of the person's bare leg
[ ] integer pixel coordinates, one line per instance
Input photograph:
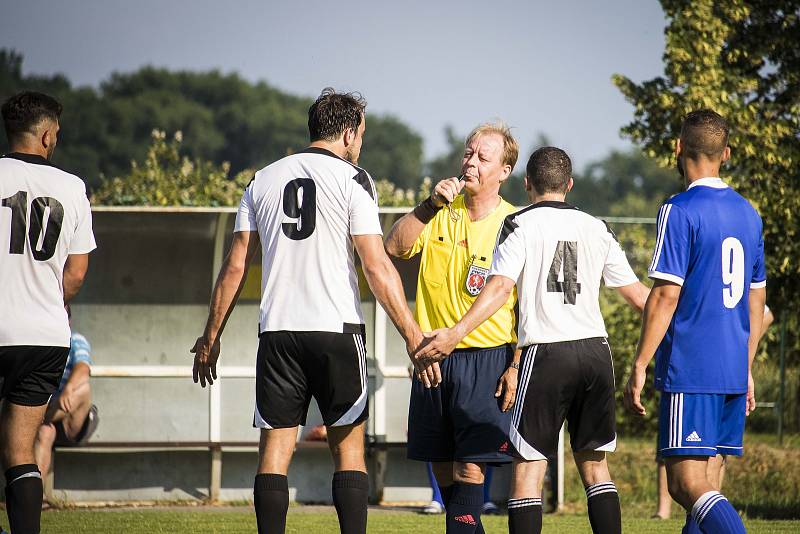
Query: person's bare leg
(716, 471)
(525, 497)
(271, 488)
(18, 428)
(602, 498)
(43, 449)
(690, 486)
(664, 498)
(350, 486)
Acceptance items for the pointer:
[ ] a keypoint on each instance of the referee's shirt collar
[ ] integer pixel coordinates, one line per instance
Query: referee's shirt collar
(709, 181)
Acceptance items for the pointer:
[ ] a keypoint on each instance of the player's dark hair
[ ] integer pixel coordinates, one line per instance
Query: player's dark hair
(704, 132)
(26, 110)
(332, 113)
(549, 170)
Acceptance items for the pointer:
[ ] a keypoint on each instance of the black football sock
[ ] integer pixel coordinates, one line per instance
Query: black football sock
(464, 512)
(525, 516)
(604, 512)
(24, 494)
(271, 501)
(447, 494)
(350, 494)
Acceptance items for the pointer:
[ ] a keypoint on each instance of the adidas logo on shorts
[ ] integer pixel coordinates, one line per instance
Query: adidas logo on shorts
(693, 437)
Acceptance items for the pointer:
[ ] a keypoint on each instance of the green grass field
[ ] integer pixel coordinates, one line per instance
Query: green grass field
(240, 520)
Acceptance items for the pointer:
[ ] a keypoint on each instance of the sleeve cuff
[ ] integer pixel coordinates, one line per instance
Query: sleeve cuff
(756, 285)
(617, 283)
(666, 276)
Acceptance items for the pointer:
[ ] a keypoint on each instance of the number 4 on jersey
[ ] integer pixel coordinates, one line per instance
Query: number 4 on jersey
(566, 256)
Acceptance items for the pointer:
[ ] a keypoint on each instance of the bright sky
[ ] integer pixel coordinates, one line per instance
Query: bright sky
(540, 66)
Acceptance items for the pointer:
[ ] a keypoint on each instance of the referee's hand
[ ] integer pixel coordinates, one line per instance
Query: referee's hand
(205, 361)
(446, 191)
(507, 387)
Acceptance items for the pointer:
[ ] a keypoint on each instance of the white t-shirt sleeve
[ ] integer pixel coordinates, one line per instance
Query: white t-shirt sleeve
(246, 216)
(617, 272)
(363, 206)
(83, 240)
(509, 252)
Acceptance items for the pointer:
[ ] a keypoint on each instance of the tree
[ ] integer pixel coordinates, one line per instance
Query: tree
(166, 178)
(742, 59)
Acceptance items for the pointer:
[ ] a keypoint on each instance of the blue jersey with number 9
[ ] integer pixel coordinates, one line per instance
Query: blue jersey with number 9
(710, 242)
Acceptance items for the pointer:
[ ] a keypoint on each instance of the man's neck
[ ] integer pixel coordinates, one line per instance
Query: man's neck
(695, 170)
(29, 149)
(552, 197)
(336, 148)
(482, 204)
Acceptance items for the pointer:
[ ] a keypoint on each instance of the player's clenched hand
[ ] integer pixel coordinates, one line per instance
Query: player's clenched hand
(751, 395)
(446, 191)
(440, 344)
(65, 399)
(507, 387)
(633, 390)
(205, 361)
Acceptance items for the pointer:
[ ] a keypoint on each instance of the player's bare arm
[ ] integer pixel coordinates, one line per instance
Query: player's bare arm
(384, 281)
(658, 312)
(408, 228)
(497, 291)
(507, 385)
(74, 272)
(635, 295)
(757, 298)
(229, 284)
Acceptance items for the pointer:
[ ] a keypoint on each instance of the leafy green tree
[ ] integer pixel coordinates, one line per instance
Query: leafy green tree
(741, 59)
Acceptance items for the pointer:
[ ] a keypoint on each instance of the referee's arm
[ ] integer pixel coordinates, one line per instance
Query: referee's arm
(229, 284)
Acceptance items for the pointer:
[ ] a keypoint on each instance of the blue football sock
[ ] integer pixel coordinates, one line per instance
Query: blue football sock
(437, 495)
(715, 515)
(691, 526)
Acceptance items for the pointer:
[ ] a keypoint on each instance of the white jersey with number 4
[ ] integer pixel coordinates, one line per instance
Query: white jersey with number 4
(44, 217)
(305, 207)
(557, 255)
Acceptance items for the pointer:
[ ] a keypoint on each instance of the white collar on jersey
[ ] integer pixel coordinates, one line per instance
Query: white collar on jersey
(714, 182)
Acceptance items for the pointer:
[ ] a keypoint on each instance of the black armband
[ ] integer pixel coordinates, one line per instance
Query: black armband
(426, 211)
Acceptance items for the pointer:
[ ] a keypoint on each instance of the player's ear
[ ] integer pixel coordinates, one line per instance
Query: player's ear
(726, 154)
(349, 136)
(570, 184)
(527, 183)
(678, 147)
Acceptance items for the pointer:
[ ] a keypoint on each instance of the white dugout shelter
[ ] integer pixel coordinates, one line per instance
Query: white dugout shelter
(162, 437)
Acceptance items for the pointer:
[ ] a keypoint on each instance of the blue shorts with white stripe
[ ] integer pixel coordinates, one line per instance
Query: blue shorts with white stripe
(701, 424)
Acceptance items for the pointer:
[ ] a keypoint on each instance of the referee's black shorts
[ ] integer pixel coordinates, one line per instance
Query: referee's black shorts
(292, 367)
(572, 380)
(30, 374)
(461, 419)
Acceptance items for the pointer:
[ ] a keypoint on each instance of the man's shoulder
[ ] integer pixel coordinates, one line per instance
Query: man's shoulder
(45, 167)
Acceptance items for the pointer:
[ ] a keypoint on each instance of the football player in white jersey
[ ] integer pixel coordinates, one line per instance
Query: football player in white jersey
(556, 256)
(308, 211)
(45, 240)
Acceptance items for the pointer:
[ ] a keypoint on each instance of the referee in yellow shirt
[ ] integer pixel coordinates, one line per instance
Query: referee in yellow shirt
(462, 425)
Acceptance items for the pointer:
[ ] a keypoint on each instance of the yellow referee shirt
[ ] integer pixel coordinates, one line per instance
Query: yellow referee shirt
(456, 257)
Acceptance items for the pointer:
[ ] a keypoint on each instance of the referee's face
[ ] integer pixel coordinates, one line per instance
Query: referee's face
(482, 165)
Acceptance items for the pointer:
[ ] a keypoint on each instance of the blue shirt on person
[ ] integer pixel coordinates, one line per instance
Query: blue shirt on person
(709, 241)
(79, 352)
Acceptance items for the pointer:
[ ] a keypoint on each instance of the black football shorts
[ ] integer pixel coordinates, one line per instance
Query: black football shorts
(572, 380)
(30, 374)
(292, 367)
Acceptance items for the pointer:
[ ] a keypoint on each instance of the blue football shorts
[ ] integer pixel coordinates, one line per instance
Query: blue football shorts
(701, 424)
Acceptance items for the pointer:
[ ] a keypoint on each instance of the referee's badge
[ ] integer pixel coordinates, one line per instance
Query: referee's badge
(476, 279)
